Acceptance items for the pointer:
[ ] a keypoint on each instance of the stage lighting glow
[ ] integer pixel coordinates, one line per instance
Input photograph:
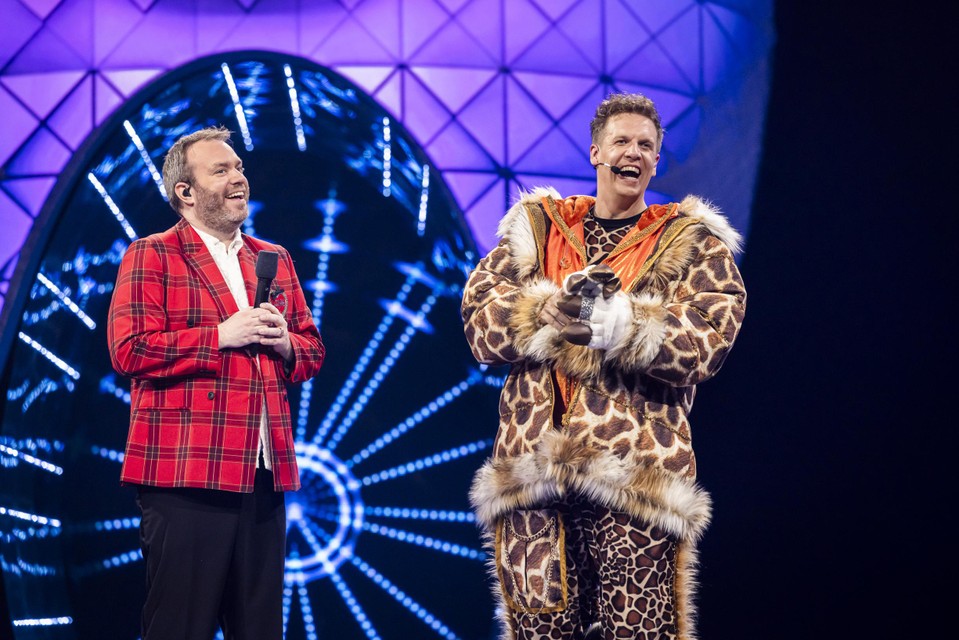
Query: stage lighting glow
(419, 416)
(147, 160)
(49, 355)
(429, 461)
(295, 108)
(43, 622)
(387, 436)
(65, 299)
(237, 107)
(424, 200)
(361, 363)
(387, 158)
(114, 209)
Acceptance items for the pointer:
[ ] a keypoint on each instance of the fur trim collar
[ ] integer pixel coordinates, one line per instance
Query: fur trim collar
(516, 229)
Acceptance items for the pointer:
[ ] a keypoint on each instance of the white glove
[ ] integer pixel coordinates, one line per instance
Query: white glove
(610, 320)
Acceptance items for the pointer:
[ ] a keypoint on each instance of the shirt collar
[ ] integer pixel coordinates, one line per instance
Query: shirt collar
(215, 244)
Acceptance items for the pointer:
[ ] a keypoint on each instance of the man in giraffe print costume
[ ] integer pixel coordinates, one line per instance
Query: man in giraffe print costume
(609, 313)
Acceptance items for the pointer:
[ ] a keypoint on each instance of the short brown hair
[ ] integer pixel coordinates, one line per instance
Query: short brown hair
(175, 167)
(617, 103)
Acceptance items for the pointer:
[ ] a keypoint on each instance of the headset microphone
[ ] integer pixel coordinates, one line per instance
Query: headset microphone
(616, 170)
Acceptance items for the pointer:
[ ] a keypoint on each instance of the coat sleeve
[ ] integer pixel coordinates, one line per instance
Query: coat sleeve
(308, 348)
(683, 335)
(501, 317)
(141, 346)
(503, 299)
(489, 298)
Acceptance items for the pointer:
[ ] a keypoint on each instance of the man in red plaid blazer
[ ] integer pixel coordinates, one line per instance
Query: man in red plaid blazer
(210, 445)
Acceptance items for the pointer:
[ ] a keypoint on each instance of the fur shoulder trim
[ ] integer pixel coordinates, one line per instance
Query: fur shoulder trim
(516, 229)
(712, 218)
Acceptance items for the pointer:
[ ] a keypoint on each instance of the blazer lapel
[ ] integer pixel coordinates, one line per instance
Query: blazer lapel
(200, 260)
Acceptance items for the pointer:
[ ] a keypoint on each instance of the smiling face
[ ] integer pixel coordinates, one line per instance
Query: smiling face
(217, 200)
(629, 142)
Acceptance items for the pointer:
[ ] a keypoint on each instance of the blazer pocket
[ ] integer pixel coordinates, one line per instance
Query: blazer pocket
(161, 431)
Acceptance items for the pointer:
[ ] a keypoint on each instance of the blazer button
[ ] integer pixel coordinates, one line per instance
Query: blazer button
(210, 395)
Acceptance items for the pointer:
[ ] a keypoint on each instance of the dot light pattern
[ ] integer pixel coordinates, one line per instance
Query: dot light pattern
(498, 92)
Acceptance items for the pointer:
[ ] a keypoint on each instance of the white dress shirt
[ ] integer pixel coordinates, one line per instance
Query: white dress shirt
(226, 259)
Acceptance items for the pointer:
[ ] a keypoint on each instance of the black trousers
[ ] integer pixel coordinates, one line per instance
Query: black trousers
(213, 558)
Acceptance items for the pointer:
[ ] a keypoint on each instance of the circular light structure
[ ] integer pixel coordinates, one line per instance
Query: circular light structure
(332, 495)
(381, 542)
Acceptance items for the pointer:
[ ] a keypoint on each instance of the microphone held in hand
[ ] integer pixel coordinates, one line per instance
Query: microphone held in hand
(266, 262)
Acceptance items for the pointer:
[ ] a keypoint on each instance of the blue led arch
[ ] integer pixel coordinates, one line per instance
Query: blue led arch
(388, 435)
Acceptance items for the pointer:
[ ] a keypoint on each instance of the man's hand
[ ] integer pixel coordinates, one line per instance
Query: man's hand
(265, 326)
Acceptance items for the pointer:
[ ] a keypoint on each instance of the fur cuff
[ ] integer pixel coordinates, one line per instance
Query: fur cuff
(543, 343)
(560, 465)
(641, 343)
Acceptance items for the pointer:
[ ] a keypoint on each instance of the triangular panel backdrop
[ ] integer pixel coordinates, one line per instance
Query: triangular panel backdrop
(499, 93)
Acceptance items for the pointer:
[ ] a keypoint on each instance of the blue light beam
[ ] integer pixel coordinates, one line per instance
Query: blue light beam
(354, 606)
(306, 609)
(112, 206)
(30, 517)
(32, 460)
(147, 160)
(237, 107)
(412, 421)
(435, 515)
(43, 622)
(409, 603)
(49, 355)
(424, 200)
(295, 108)
(65, 299)
(429, 461)
(387, 159)
(382, 371)
(361, 364)
(425, 541)
(109, 386)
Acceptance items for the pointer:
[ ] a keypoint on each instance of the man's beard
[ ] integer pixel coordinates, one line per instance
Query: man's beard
(212, 211)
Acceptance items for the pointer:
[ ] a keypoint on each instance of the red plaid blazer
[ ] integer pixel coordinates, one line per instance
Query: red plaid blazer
(195, 410)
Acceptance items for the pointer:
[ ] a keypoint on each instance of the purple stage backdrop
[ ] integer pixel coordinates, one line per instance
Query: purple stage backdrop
(499, 93)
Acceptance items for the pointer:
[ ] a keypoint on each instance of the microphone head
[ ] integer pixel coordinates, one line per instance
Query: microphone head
(616, 170)
(266, 262)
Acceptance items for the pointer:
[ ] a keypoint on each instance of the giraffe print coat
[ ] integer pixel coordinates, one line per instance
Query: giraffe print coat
(624, 441)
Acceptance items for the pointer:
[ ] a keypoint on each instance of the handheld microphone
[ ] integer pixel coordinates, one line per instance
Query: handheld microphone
(616, 170)
(266, 262)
